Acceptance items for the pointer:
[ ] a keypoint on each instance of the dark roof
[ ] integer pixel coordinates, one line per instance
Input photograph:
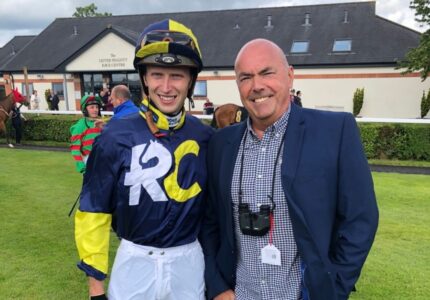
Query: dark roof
(375, 40)
(13, 47)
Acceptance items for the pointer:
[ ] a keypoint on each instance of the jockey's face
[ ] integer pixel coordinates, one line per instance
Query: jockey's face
(167, 87)
(93, 110)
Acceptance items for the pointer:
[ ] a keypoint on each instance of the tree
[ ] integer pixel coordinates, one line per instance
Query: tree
(357, 101)
(89, 11)
(425, 104)
(418, 59)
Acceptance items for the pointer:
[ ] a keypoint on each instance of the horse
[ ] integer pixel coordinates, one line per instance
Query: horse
(6, 105)
(228, 114)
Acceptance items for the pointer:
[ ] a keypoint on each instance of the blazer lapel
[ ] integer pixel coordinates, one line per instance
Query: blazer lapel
(229, 156)
(293, 145)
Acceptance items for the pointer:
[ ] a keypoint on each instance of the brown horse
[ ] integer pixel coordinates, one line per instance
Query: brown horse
(228, 114)
(6, 105)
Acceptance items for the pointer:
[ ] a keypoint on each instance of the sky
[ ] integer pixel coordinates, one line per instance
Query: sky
(30, 17)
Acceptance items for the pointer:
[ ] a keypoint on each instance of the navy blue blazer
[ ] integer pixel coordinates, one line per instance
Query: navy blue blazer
(329, 192)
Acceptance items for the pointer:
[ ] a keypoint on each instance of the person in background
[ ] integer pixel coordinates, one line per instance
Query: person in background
(105, 94)
(85, 130)
(298, 99)
(146, 176)
(120, 98)
(291, 212)
(208, 107)
(55, 101)
(34, 100)
(292, 94)
(16, 119)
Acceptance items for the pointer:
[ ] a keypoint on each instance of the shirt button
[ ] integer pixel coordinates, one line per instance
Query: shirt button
(263, 281)
(150, 252)
(259, 176)
(162, 253)
(263, 149)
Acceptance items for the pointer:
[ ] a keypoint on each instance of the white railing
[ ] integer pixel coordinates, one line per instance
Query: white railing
(209, 117)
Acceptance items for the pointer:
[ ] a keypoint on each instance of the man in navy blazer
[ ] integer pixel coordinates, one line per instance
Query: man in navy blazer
(325, 182)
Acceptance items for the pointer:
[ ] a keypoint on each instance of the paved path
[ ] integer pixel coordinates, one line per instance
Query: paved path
(374, 168)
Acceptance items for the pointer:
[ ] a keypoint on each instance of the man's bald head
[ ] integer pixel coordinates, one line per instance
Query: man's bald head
(264, 79)
(120, 94)
(263, 46)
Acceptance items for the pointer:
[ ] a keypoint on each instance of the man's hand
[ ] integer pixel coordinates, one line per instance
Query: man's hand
(99, 123)
(227, 295)
(96, 287)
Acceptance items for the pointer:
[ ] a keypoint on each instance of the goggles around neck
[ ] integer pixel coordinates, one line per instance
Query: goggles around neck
(156, 120)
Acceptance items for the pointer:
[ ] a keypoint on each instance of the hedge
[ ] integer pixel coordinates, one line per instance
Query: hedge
(380, 141)
(396, 141)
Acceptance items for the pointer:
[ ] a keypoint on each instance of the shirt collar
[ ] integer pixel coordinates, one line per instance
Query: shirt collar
(279, 126)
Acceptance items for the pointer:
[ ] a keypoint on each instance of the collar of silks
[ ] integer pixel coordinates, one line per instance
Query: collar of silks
(156, 120)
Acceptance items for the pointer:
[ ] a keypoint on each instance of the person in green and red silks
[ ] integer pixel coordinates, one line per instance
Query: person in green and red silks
(85, 130)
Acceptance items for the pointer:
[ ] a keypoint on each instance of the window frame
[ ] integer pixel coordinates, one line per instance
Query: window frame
(297, 42)
(198, 88)
(342, 40)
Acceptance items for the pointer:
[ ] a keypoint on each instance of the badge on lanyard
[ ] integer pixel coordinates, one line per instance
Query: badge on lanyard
(271, 255)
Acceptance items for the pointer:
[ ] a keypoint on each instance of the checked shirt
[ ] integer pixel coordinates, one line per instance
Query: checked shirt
(255, 280)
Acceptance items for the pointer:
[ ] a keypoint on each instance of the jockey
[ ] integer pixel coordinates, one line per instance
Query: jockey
(84, 131)
(146, 176)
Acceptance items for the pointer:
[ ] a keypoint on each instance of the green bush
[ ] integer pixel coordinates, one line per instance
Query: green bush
(357, 101)
(425, 104)
(46, 127)
(396, 141)
(380, 141)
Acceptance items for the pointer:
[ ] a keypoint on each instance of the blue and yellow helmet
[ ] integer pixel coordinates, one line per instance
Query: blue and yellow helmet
(170, 44)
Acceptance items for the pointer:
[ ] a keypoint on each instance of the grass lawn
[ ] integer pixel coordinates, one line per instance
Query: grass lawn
(38, 254)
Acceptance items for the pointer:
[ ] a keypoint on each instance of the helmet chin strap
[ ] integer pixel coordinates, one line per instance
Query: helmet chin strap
(157, 120)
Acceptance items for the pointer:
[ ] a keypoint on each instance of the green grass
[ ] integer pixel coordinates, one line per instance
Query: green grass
(38, 254)
(398, 264)
(407, 163)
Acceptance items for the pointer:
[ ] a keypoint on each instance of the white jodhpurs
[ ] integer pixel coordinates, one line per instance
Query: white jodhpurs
(148, 273)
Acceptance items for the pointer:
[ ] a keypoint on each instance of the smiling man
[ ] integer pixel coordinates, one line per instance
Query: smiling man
(291, 211)
(146, 176)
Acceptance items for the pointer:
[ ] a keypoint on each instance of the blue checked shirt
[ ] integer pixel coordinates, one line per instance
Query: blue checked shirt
(255, 280)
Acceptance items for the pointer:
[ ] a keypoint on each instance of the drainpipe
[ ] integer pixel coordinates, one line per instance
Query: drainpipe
(66, 98)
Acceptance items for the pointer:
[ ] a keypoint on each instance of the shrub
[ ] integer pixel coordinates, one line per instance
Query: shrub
(357, 101)
(425, 104)
(392, 141)
(396, 141)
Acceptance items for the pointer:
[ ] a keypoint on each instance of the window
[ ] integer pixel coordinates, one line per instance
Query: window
(93, 83)
(342, 45)
(30, 89)
(200, 90)
(300, 47)
(58, 88)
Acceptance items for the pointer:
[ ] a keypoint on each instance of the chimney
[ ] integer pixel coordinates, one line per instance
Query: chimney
(269, 25)
(345, 17)
(75, 30)
(307, 19)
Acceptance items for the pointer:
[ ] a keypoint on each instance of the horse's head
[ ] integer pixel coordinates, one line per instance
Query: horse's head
(18, 97)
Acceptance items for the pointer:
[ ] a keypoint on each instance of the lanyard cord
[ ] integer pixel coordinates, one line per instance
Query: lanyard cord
(274, 170)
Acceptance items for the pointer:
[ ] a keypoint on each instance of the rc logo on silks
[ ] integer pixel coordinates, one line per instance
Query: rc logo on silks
(147, 177)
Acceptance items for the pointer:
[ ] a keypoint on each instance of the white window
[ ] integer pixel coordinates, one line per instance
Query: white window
(342, 45)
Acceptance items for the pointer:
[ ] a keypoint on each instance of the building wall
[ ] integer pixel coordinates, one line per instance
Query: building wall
(387, 93)
(42, 82)
(110, 53)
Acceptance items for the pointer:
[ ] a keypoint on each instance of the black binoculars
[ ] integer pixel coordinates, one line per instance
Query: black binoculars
(255, 224)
